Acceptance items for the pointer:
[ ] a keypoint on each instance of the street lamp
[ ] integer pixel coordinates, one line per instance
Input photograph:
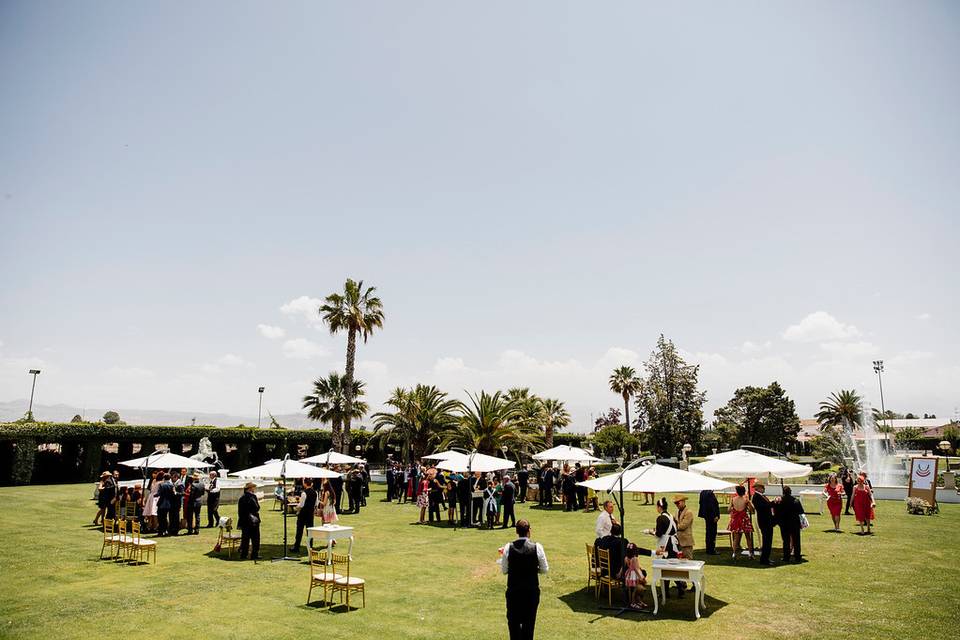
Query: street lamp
(260, 407)
(878, 369)
(34, 373)
(944, 446)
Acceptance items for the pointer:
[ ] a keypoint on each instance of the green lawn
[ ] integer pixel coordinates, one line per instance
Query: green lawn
(437, 582)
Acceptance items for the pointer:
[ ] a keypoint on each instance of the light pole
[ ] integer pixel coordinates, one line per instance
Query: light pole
(260, 407)
(878, 369)
(34, 373)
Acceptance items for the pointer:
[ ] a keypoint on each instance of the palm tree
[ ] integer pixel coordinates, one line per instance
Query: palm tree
(421, 416)
(355, 311)
(529, 406)
(328, 403)
(624, 381)
(555, 416)
(840, 409)
(489, 423)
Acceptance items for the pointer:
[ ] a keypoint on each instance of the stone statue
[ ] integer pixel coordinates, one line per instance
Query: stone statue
(205, 453)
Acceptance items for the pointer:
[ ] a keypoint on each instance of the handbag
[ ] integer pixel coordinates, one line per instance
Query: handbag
(804, 523)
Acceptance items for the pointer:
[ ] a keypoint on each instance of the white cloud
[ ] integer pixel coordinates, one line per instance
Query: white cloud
(449, 365)
(751, 348)
(372, 368)
(850, 349)
(231, 360)
(271, 332)
(819, 326)
(921, 316)
(304, 308)
(302, 349)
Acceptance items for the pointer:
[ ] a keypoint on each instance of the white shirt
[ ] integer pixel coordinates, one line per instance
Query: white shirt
(541, 558)
(213, 486)
(604, 523)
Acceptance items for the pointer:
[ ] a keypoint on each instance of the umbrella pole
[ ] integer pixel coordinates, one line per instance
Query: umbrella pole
(626, 606)
(283, 479)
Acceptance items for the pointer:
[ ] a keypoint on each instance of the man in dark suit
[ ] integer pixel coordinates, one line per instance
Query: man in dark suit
(174, 516)
(507, 498)
(710, 512)
(305, 511)
(400, 481)
(248, 519)
(546, 486)
(193, 506)
(356, 490)
(166, 497)
(579, 476)
(463, 499)
(337, 485)
(523, 478)
(616, 544)
(213, 500)
(390, 480)
(522, 562)
(788, 512)
(765, 520)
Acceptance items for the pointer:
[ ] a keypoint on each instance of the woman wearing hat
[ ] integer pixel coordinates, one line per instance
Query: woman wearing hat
(684, 526)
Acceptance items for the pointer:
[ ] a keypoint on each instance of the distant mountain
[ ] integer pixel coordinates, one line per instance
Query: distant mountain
(15, 409)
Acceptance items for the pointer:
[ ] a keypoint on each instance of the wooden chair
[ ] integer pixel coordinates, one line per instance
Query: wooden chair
(346, 584)
(593, 571)
(140, 547)
(228, 537)
(609, 580)
(121, 540)
(109, 526)
(321, 573)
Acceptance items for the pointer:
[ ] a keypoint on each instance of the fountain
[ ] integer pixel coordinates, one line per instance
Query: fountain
(883, 467)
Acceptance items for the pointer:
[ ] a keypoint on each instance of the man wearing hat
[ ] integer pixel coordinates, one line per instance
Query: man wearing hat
(248, 519)
(684, 526)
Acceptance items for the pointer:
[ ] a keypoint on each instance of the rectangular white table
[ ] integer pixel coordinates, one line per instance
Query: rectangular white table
(686, 570)
(329, 533)
(809, 493)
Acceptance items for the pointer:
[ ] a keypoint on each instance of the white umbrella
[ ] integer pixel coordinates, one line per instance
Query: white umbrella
(286, 469)
(655, 478)
(165, 460)
(567, 453)
(474, 462)
(443, 455)
(333, 457)
(742, 463)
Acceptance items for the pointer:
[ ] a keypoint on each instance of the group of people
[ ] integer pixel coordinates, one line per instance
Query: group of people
(859, 492)
(563, 484)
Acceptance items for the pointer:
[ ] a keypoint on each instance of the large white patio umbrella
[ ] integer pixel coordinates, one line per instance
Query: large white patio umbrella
(443, 455)
(165, 460)
(566, 453)
(743, 463)
(656, 478)
(333, 457)
(472, 462)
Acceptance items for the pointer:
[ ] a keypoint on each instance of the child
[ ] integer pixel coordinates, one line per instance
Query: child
(451, 497)
(634, 577)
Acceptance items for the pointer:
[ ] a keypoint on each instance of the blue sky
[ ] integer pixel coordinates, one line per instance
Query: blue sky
(537, 189)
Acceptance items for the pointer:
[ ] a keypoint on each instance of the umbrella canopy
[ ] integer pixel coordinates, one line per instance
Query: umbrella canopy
(443, 455)
(286, 469)
(567, 453)
(655, 478)
(742, 463)
(166, 460)
(333, 457)
(474, 462)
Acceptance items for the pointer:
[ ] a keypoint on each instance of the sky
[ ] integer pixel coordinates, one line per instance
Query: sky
(538, 190)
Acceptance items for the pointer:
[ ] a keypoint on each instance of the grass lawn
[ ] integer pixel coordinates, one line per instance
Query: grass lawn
(437, 582)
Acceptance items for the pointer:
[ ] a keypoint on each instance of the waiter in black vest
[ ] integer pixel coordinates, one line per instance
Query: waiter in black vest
(523, 561)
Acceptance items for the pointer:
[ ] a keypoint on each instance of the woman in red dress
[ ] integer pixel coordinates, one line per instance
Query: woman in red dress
(834, 493)
(740, 524)
(863, 504)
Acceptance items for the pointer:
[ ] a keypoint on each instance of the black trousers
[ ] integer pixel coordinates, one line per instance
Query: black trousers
(163, 516)
(791, 541)
(389, 491)
(465, 506)
(434, 508)
(522, 613)
(193, 517)
(710, 526)
(357, 499)
(581, 498)
(523, 492)
(303, 521)
(849, 497)
(508, 515)
(250, 538)
(174, 524)
(478, 511)
(766, 543)
(213, 509)
(546, 495)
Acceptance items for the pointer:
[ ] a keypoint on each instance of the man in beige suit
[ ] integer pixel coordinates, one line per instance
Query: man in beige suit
(684, 526)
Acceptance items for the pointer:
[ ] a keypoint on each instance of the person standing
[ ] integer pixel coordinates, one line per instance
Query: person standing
(337, 485)
(863, 504)
(213, 500)
(523, 477)
(106, 499)
(193, 506)
(305, 512)
(765, 520)
(166, 498)
(740, 523)
(546, 486)
(788, 512)
(248, 519)
(834, 494)
(400, 482)
(174, 515)
(710, 512)
(390, 479)
(684, 526)
(508, 498)
(667, 543)
(579, 475)
(435, 494)
(846, 479)
(356, 490)
(463, 498)
(523, 561)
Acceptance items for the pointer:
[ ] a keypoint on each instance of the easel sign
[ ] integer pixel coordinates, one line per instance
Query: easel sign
(923, 479)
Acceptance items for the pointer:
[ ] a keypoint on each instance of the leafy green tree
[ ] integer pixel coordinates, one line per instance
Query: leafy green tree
(614, 440)
(625, 382)
(761, 416)
(555, 417)
(529, 406)
(489, 422)
(612, 416)
(909, 437)
(77, 418)
(111, 417)
(419, 419)
(328, 402)
(356, 311)
(841, 409)
(829, 445)
(669, 405)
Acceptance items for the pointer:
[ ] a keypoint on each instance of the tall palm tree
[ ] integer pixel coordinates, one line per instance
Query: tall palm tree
(420, 417)
(488, 423)
(328, 402)
(555, 416)
(355, 311)
(529, 406)
(840, 409)
(624, 381)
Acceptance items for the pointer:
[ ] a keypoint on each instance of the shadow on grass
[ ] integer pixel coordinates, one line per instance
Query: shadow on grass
(267, 553)
(331, 607)
(723, 559)
(583, 601)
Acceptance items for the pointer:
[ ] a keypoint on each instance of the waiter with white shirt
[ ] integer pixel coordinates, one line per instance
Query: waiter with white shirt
(523, 562)
(605, 520)
(213, 500)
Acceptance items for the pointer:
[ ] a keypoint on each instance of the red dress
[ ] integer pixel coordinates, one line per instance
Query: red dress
(862, 504)
(834, 499)
(740, 521)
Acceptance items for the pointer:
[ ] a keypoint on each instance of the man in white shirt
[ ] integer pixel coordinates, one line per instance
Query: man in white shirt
(605, 520)
(522, 562)
(213, 500)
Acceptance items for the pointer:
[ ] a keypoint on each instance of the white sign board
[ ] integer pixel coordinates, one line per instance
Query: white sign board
(923, 474)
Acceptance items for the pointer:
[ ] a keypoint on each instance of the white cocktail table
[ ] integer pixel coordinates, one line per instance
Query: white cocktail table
(686, 570)
(329, 533)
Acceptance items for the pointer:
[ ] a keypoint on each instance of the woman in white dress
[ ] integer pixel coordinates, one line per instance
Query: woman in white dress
(150, 503)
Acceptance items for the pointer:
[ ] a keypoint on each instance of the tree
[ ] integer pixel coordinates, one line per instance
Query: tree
(829, 445)
(760, 416)
(624, 381)
(612, 416)
(669, 405)
(555, 417)
(909, 437)
(529, 406)
(614, 439)
(77, 418)
(420, 418)
(488, 423)
(111, 417)
(841, 409)
(356, 311)
(328, 402)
